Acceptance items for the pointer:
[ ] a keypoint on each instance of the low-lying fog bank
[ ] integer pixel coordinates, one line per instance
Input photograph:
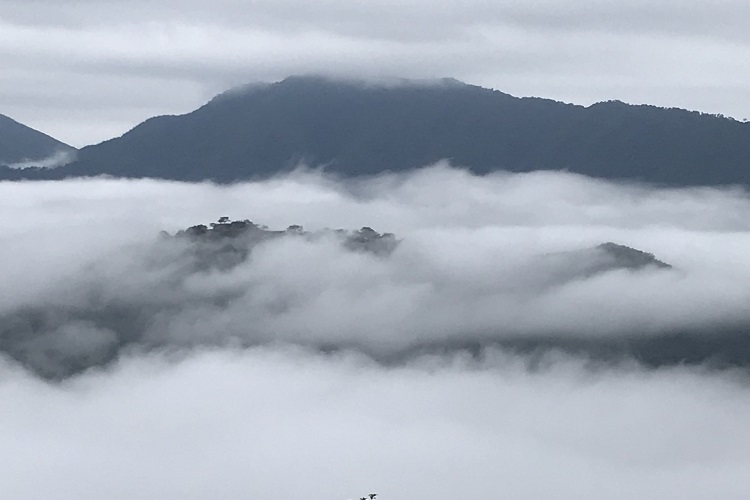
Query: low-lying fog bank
(504, 260)
(491, 347)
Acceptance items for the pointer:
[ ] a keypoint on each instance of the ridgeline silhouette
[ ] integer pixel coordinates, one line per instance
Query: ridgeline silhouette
(22, 144)
(357, 129)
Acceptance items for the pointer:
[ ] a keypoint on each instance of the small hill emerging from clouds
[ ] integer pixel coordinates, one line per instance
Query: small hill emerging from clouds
(359, 129)
(23, 146)
(167, 291)
(226, 243)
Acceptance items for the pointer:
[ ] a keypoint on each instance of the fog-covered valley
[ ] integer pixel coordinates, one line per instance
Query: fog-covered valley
(462, 336)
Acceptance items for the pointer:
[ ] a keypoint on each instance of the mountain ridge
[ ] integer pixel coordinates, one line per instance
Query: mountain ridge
(21, 144)
(353, 128)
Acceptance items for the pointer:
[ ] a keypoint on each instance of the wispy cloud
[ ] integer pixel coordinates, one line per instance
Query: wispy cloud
(58, 159)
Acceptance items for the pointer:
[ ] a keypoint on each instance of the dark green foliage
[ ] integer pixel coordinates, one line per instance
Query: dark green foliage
(355, 129)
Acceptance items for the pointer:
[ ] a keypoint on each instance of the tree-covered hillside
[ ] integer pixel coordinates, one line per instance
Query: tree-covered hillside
(354, 129)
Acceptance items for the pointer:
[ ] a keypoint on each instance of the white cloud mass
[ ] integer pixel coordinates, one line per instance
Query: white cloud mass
(286, 425)
(301, 372)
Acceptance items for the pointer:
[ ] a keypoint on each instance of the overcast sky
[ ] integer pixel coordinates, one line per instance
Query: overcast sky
(87, 70)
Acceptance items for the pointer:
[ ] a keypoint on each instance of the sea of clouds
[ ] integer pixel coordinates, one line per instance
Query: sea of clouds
(314, 371)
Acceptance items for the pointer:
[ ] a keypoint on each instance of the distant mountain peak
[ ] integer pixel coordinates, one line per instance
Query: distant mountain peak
(368, 126)
(22, 146)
